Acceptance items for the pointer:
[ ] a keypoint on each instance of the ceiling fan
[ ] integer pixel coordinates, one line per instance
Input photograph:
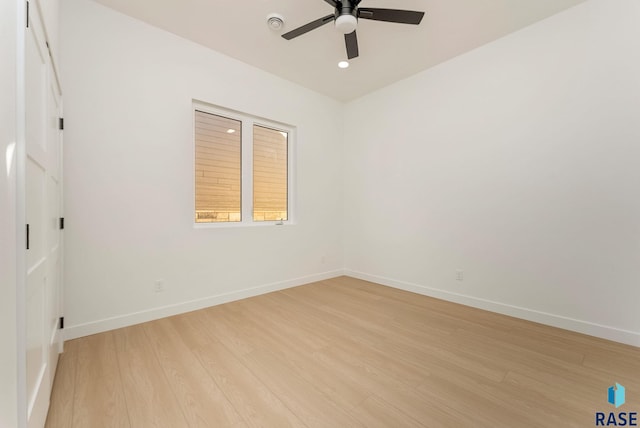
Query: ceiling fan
(346, 17)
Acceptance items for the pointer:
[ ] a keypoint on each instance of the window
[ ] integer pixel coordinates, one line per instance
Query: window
(218, 168)
(242, 168)
(269, 174)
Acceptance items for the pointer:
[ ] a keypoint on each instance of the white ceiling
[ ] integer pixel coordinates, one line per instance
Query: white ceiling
(388, 52)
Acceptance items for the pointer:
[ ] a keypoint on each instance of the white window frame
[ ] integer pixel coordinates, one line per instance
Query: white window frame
(246, 166)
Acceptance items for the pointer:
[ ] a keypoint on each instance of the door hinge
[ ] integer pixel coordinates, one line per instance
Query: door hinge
(27, 14)
(61, 223)
(27, 237)
(61, 123)
(61, 323)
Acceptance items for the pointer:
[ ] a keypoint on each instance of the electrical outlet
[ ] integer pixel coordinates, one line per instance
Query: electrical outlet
(459, 275)
(158, 287)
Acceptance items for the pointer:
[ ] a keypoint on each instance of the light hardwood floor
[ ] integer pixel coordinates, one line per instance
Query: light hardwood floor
(340, 353)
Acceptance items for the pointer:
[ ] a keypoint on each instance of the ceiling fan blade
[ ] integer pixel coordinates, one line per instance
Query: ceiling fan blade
(308, 27)
(351, 41)
(333, 3)
(391, 15)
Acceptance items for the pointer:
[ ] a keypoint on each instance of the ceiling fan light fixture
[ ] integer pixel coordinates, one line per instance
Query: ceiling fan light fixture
(346, 24)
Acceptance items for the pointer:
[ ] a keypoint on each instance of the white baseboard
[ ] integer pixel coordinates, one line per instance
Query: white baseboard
(80, 330)
(585, 327)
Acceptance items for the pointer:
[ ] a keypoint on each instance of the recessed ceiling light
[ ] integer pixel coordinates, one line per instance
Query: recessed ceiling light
(230, 131)
(343, 64)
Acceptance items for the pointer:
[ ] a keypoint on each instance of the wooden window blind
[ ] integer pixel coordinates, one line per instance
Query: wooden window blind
(270, 165)
(218, 168)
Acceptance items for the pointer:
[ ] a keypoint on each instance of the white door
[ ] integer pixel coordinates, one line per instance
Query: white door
(43, 212)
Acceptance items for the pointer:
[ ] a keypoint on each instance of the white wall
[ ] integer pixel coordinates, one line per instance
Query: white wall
(8, 231)
(518, 163)
(129, 175)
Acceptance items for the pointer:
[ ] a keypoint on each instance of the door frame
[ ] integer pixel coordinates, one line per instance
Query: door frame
(21, 216)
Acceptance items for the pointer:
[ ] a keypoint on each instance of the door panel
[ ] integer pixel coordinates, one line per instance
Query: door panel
(36, 357)
(43, 209)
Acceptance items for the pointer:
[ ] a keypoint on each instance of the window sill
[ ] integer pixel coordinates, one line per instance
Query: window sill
(227, 225)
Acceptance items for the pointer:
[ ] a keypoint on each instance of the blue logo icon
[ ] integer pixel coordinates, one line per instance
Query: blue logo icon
(616, 395)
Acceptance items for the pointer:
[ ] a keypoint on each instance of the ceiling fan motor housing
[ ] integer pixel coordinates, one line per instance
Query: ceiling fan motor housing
(346, 16)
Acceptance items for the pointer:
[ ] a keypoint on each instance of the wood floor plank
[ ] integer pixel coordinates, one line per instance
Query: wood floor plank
(552, 405)
(191, 329)
(221, 324)
(371, 373)
(340, 353)
(284, 325)
(254, 401)
(314, 408)
(339, 335)
(151, 400)
(525, 343)
(325, 308)
(61, 414)
(489, 403)
(374, 412)
(99, 398)
(202, 402)
(270, 330)
(617, 361)
(516, 358)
